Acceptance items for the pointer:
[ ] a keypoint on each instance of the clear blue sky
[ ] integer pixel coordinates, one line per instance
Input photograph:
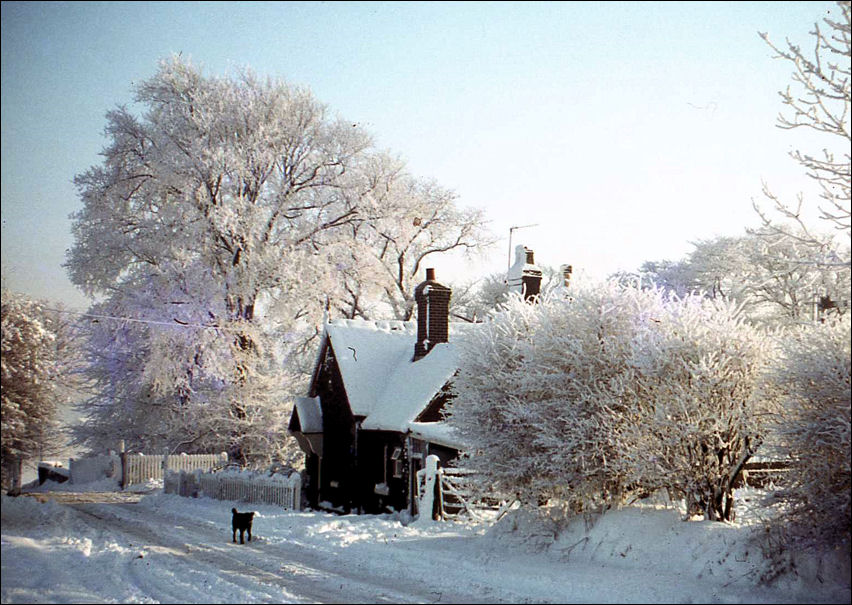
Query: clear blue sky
(625, 130)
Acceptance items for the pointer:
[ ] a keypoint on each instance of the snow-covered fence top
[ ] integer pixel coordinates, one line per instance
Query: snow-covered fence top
(130, 469)
(139, 468)
(242, 486)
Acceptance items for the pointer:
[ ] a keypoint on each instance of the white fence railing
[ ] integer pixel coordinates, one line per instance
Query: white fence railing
(139, 468)
(130, 469)
(240, 486)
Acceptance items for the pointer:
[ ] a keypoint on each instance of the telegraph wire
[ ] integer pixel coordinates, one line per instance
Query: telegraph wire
(172, 324)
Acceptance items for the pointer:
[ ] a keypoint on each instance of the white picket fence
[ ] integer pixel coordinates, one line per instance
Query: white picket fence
(140, 468)
(239, 486)
(131, 469)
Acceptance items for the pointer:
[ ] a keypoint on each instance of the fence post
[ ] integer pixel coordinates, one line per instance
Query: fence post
(296, 479)
(123, 455)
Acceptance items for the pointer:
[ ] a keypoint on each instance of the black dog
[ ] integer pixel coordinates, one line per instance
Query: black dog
(242, 522)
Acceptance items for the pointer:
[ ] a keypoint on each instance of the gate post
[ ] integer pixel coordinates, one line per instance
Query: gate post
(431, 500)
(123, 456)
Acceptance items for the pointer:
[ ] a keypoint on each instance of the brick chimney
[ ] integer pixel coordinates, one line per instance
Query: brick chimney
(433, 314)
(524, 276)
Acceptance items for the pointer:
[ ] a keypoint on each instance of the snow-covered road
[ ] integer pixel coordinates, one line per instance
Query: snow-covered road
(169, 549)
(284, 570)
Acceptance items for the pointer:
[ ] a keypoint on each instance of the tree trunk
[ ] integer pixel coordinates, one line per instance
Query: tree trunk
(12, 474)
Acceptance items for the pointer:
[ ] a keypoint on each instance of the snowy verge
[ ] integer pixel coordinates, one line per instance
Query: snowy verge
(657, 538)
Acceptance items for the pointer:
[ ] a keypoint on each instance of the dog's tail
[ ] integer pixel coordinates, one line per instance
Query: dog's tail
(234, 510)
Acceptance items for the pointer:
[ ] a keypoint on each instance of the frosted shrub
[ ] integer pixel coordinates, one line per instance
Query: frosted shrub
(544, 396)
(698, 387)
(615, 392)
(814, 380)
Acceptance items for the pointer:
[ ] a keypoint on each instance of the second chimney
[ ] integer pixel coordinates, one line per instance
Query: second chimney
(524, 276)
(433, 314)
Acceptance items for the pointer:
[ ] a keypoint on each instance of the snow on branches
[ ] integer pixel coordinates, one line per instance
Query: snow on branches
(818, 101)
(223, 221)
(777, 282)
(616, 392)
(35, 366)
(813, 378)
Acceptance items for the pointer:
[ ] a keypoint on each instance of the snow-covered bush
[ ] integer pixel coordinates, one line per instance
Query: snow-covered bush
(613, 392)
(698, 390)
(814, 379)
(535, 398)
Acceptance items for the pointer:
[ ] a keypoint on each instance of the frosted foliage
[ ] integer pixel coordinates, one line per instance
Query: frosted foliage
(204, 218)
(228, 217)
(404, 223)
(776, 281)
(614, 392)
(226, 398)
(474, 300)
(32, 370)
(700, 398)
(814, 379)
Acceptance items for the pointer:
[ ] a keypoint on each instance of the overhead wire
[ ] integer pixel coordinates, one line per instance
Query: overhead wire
(174, 323)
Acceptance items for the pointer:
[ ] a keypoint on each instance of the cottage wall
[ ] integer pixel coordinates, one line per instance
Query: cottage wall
(383, 479)
(335, 471)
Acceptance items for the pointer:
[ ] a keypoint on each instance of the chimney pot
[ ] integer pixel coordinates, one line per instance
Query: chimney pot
(430, 274)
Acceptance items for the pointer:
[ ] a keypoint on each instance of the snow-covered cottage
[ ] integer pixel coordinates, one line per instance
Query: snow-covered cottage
(373, 410)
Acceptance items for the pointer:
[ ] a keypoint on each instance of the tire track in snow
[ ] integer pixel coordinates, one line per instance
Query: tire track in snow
(298, 576)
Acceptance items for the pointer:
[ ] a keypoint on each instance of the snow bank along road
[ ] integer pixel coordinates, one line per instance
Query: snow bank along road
(165, 548)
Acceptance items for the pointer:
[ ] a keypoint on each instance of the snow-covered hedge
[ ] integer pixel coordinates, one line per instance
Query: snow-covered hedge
(615, 392)
(814, 379)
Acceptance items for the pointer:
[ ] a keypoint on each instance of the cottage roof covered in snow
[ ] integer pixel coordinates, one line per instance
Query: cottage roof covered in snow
(383, 384)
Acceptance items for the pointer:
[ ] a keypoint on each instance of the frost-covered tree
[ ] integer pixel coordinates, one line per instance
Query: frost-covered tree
(222, 223)
(36, 366)
(699, 390)
(209, 209)
(615, 391)
(818, 102)
(767, 277)
(676, 277)
(813, 375)
(813, 378)
(403, 221)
